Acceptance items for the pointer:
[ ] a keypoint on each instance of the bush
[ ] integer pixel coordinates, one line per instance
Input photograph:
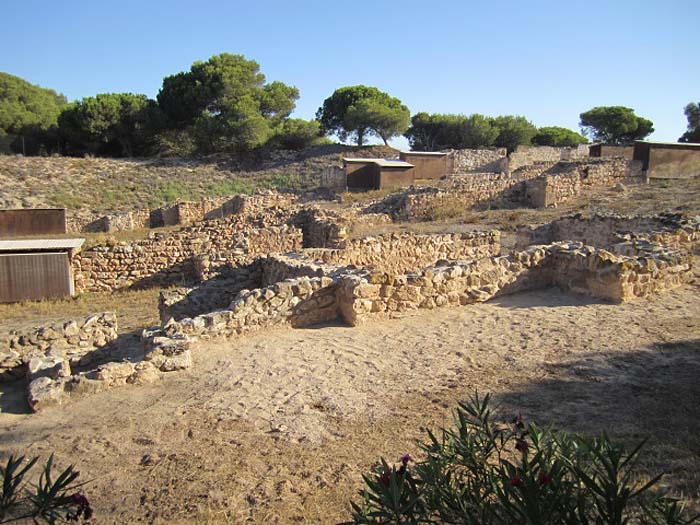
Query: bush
(48, 501)
(296, 134)
(484, 472)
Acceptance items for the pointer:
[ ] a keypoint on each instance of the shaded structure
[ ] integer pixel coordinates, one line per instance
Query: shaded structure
(429, 164)
(35, 269)
(36, 221)
(606, 150)
(668, 160)
(377, 174)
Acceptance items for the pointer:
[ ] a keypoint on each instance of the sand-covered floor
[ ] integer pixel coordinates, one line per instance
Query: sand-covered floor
(277, 427)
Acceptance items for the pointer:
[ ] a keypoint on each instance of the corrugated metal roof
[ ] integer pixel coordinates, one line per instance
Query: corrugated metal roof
(384, 163)
(31, 209)
(393, 163)
(426, 153)
(31, 245)
(360, 159)
(675, 144)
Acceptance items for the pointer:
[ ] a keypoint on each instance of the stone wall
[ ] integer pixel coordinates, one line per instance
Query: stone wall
(400, 252)
(571, 266)
(124, 221)
(618, 278)
(565, 180)
(70, 340)
(211, 294)
(674, 231)
(479, 160)
(527, 155)
(460, 192)
(303, 301)
(170, 258)
(182, 212)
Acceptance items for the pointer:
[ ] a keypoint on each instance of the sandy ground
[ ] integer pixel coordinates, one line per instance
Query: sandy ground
(277, 427)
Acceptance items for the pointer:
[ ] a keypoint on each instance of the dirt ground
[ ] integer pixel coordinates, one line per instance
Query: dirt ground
(278, 427)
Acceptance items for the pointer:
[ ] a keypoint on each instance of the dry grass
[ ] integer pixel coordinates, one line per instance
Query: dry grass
(364, 197)
(136, 309)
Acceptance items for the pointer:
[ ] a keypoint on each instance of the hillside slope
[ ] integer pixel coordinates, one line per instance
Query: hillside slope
(101, 185)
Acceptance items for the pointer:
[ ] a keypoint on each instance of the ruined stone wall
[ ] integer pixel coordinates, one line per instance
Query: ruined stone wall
(527, 155)
(607, 230)
(71, 340)
(479, 160)
(408, 251)
(213, 294)
(169, 258)
(297, 302)
(618, 278)
(565, 180)
(571, 266)
(462, 192)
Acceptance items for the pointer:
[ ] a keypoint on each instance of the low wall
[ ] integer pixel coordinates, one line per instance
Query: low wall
(675, 231)
(125, 221)
(479, 160)
(619, 278)
(527, 155)
(565, 180)
(211, 294)
(462, 192)
(169, 258)
(72, 340)
(407, 251)
(571, 266)
(303, 301)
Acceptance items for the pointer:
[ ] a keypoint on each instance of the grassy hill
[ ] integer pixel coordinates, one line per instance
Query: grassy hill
(101, 185)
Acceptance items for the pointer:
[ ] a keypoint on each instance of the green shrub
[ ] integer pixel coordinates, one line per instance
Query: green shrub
(485, 472)
(51, 500)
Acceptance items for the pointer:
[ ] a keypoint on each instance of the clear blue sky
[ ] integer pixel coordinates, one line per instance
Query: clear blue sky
(546, 60)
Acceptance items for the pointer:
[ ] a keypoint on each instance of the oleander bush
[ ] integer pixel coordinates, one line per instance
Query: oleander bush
(52, 499)
(486, 472)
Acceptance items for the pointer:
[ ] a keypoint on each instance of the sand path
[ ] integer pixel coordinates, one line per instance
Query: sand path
(280, 405)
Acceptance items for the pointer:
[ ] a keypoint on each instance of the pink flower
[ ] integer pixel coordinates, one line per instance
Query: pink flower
(405, 459)
(543, 479)
(515, 481)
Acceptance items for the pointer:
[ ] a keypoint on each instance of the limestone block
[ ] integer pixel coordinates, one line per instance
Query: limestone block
(45, 392)
(114, 374)
(51, 367)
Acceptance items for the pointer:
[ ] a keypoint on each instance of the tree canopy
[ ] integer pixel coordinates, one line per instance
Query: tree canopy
(430, 132)
(354, 112)
(29, 111)
(692, 113)
(616, 125)
(226, 102)
(117, 123)
(558, 137)
(513, 131)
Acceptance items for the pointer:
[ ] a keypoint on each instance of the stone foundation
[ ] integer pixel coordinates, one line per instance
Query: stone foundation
(75, 341)
(675, 231)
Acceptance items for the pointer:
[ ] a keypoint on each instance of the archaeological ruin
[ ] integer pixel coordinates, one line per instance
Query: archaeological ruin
(247, 263)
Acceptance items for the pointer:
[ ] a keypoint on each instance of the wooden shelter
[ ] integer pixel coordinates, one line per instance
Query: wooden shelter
(429, 164)
(32, 221)
(377, 174)
(36, 269)
(668, 160)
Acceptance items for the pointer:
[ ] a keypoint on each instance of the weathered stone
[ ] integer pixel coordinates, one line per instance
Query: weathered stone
(45, 392)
